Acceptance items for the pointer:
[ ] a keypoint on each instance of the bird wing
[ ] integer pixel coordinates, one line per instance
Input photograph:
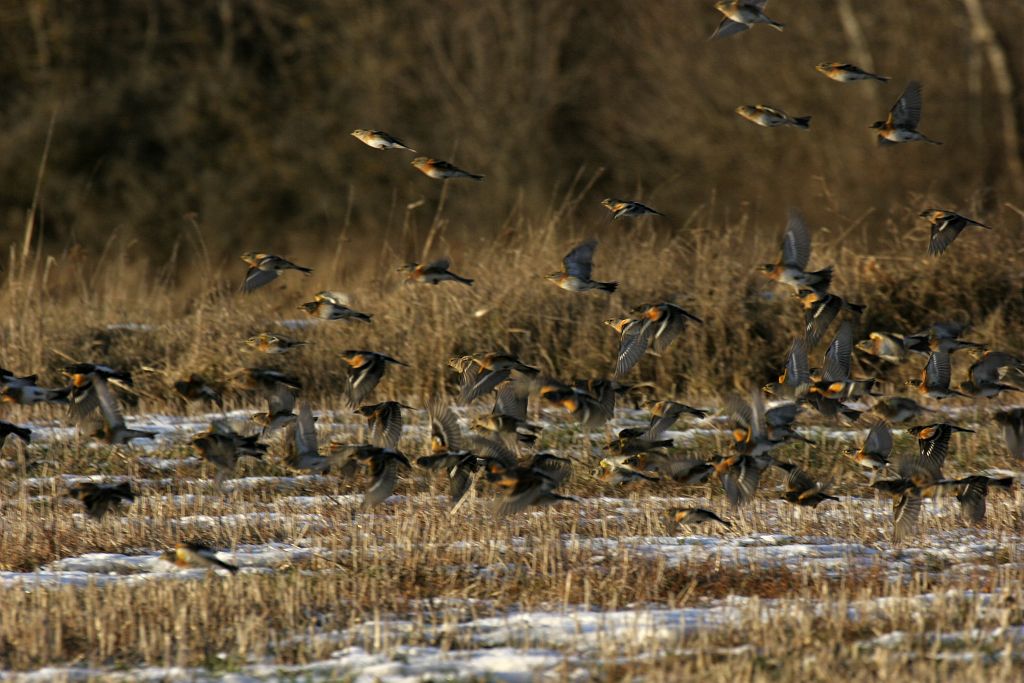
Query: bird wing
(305, 431)
(944, 231)
(797, 367)
(781, 415)
(839, 353)
(388, 427)
(476, 382)
(972, 499)
(580, 261)
(362, 381)
(384, 477)
(819, 317)
(986, 370)
(509, 399)
(728, 27)
(108, 404)
(632, 348)
(558, 469)
(798, 481)
(493, 449)
(906, 113)
(280, 399)
(256, 278)
(444, 425)
(937, 372)
(906, 510)
(879, 441)
(739, 410)
(796, 243)
(439, 264)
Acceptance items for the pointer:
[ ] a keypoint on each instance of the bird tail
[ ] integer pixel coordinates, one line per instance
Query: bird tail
(930, 141)
(474, 176)
(778, 26)
(883, 79)
(23, 433)
(856, 308)
(365, 317)
(223, 565)
(608, 286)
(464, 280)
(802, 122)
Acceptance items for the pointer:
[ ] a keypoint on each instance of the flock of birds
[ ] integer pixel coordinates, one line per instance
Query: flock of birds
(497, 454)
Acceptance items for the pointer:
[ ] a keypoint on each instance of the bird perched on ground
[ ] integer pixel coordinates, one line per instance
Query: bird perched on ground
(791, 268)
(985, 374)
(325, 309)
(381, 465)
(8, 429)
(441, 170)
(770, 117)
(365, 370)
(264, 268)
(578, 265)
(847, 73)
(1012, 422)
(193, 554)
(901, 124)
(874, 454)
(693, 516)
(624, 208)
(385, 422)
(378, 139)
(946, 227)
(99, 499)
(266, 342)
(432, 273)
(741, 15)
(934, 381)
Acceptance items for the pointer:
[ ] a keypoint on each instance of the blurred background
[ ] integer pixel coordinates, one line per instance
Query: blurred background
(236, 114)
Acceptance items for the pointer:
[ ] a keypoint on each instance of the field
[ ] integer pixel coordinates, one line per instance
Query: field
(602, 589)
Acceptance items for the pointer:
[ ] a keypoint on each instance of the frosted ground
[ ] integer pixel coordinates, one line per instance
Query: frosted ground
(832, 565)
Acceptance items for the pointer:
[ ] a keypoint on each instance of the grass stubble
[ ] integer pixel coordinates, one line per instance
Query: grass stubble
(412, 564)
